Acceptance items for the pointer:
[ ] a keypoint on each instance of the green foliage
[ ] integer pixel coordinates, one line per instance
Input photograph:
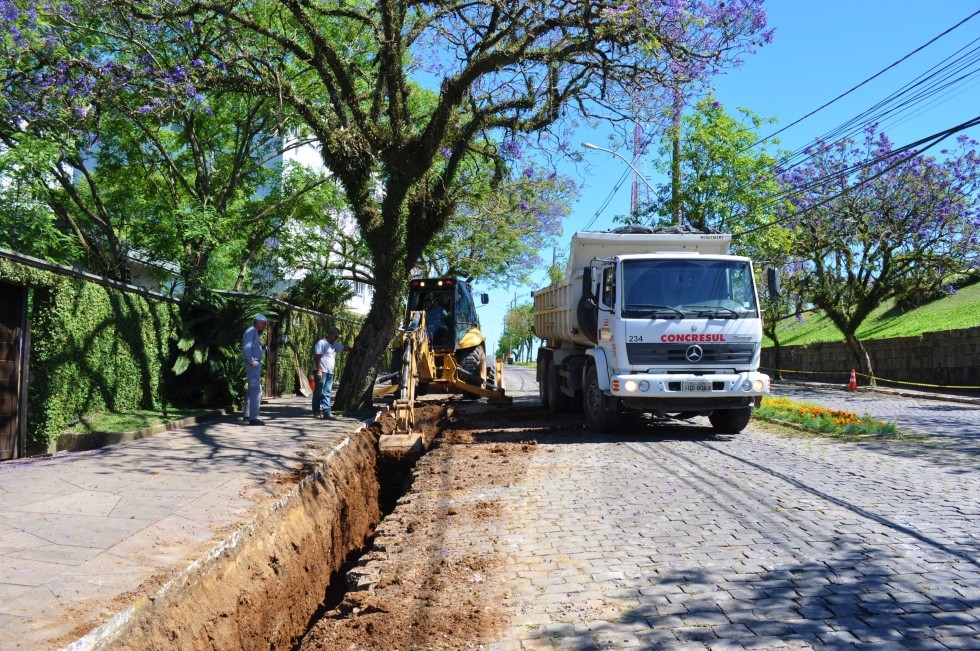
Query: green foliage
(207, 341)
(955, 311)
(727, 185)
(321, 291)
(518, 331)
(501, 224)
(27, 224)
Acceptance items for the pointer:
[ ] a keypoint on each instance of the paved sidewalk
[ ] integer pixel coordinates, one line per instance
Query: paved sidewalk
(84, 534)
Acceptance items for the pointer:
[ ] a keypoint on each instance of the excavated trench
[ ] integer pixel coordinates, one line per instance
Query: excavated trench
(273, 579)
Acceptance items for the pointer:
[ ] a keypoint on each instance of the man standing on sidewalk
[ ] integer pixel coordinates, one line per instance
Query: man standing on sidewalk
(324, 359)
(252, 354)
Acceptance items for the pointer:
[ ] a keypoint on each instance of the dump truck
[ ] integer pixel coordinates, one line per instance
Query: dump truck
(651, 322)
(441, 349)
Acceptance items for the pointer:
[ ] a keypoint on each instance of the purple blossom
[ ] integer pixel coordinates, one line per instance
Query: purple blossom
(511, 149)
(8, 11)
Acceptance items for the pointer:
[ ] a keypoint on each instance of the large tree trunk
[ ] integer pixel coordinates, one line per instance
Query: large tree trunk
(361, 367)
(864, 359)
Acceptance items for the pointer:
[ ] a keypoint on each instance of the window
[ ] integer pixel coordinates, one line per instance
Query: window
(608, 287)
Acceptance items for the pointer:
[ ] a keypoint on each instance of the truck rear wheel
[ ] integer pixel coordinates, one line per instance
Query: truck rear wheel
(558, 402)
(730, 421)
(600, 410)
(544, 372)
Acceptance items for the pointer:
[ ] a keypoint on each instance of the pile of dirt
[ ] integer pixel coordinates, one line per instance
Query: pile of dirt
(420, 587)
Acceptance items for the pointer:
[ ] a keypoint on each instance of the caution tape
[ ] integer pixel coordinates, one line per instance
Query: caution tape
(881, 379)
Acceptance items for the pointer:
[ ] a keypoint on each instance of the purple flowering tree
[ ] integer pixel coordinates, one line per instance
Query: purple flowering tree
(499, 227)
(871, 225)
(356, 74)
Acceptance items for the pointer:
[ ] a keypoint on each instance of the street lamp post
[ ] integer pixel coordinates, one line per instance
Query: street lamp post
(589, 145)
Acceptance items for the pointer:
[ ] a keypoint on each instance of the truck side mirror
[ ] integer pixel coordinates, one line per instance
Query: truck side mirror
(484, 298)
(772, 279)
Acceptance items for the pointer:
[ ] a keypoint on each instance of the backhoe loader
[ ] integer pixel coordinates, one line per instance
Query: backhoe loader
(441, 350)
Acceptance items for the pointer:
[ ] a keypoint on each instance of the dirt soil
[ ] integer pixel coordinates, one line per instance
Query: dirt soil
(419, 587)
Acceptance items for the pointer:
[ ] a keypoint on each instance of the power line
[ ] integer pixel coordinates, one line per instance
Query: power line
(928, 88)
(932, 141)
(868, 80)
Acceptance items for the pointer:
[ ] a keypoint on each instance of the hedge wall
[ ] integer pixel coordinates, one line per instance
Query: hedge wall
(98, 348)
(93, 348)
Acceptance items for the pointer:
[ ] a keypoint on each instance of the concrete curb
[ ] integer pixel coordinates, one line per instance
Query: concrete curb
(905, 393)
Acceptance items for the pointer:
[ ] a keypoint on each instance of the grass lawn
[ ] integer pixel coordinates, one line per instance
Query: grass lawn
(960, 310)
(129, 421)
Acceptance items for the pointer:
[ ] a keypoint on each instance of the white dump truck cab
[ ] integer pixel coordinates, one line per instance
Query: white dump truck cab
(673, 331)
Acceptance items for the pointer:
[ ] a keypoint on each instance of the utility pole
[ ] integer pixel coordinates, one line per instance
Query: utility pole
(675, 163)
(635, 196)
(589, 145)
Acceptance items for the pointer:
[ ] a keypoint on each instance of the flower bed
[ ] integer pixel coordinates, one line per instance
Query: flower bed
(821, 419)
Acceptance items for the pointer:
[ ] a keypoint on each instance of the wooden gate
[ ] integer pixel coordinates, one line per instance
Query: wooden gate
(13, 346)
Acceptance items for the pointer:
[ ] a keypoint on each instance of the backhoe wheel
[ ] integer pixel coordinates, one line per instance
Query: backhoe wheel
(730, 421)
(600, 410)
(558, 402)
(473, 363)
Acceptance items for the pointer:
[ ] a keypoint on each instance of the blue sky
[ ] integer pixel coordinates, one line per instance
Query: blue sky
(820, 50)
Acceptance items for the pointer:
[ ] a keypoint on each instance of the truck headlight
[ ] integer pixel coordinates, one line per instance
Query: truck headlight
(630, 386)
(747, 385)
(644, 386)
(760, 385)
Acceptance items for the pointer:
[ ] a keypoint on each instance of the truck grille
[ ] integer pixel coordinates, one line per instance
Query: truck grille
(676, 354)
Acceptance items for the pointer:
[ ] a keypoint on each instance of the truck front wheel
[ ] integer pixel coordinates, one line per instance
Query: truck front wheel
(600, 410)
(730, 421)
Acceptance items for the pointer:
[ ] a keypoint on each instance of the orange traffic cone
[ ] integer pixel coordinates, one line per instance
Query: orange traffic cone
(852, 384)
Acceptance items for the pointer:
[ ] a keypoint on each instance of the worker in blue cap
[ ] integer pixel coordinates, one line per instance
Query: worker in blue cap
(252, 354)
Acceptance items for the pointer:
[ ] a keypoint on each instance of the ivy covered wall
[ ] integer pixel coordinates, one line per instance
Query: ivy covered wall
(93, 348)
(99, 348)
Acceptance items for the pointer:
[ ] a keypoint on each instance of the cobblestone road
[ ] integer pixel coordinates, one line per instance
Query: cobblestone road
(674, 538)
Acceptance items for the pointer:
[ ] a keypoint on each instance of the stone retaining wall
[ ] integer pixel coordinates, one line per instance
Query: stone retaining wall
(947, 359)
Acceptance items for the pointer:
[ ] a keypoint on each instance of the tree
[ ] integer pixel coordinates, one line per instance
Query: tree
(496, 235)
(508, 70)
(124, 161)
(871, 224)
(27, 224)
(727, 184)
(518, 332)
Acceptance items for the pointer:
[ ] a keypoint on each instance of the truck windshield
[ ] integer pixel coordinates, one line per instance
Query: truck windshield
(688, 288)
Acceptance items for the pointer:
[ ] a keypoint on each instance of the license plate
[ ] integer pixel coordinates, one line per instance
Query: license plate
(696, 386)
